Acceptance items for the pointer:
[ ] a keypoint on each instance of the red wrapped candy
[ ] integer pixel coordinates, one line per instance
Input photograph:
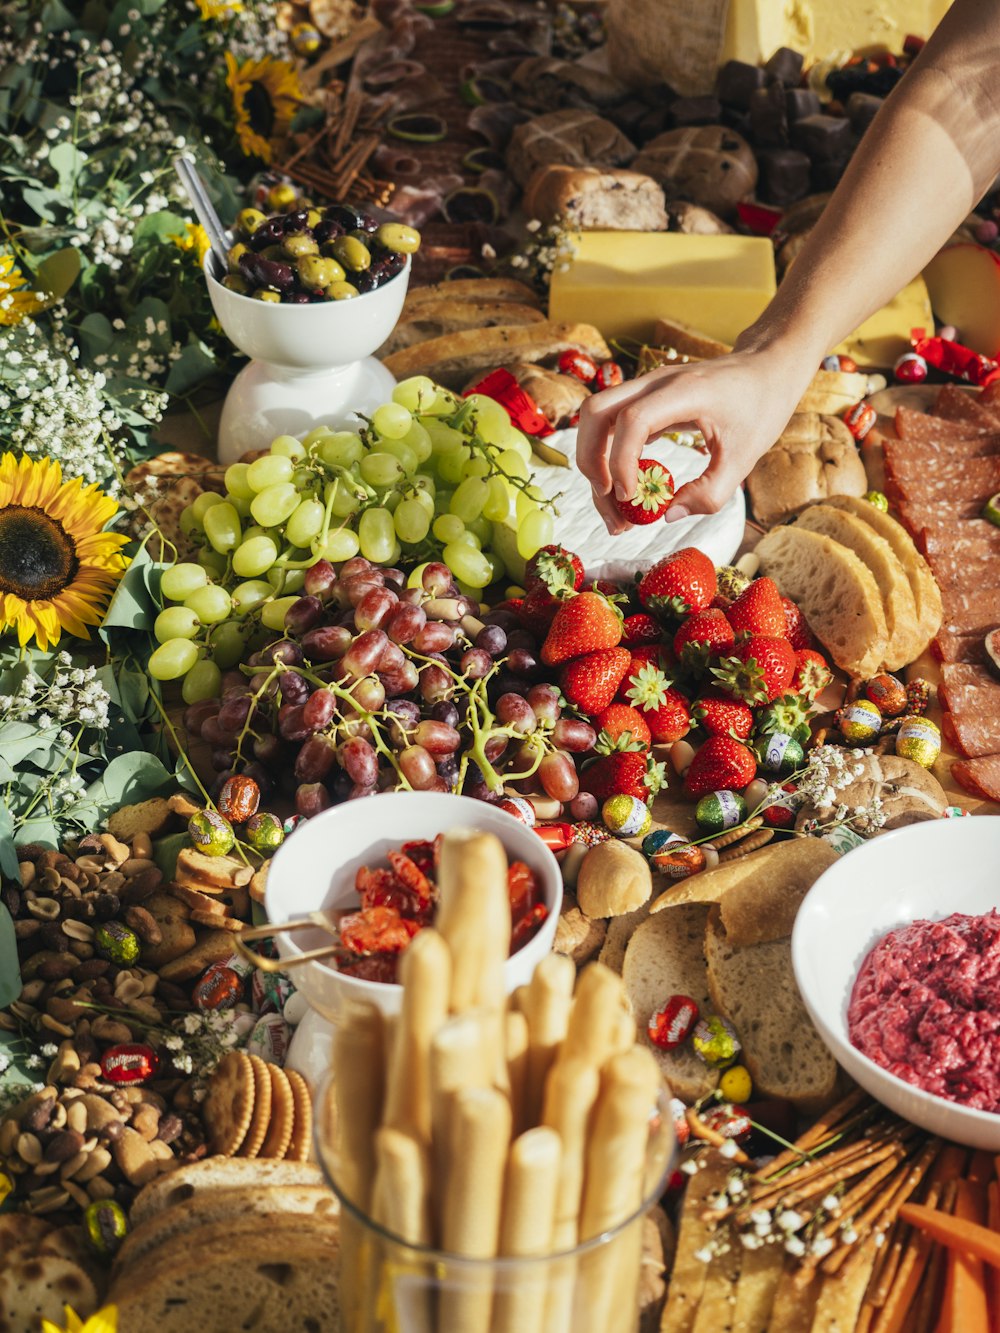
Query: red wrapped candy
(670, 1026)
(911, 368)
(556, 836)
(578, 364)
(219, 987)
(238, 799)
(609, 375)
(520, 808)
(727, 1119)
(859, 419)
(129, 1063)
(524, 412)
(954, 359)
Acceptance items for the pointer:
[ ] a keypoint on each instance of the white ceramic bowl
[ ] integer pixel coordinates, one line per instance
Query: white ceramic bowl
(315, 869)
(926, 871)
(308, 337)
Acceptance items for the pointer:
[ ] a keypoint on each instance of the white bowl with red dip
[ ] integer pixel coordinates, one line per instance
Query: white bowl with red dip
(316, 871)
(920, 1031)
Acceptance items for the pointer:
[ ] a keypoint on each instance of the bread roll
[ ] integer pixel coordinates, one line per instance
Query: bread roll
(709, 165)
(814, 457)
(573, 137)
(614, 879)
(595, 199)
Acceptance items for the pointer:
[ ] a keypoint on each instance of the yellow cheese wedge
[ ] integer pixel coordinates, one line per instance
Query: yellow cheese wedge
(964, 285)
(885, 336)
(818, 28)
(624, 281)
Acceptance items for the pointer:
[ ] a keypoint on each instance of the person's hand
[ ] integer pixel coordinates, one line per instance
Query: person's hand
(740, 403)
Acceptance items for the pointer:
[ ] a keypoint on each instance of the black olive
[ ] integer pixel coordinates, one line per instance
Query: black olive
(268, 233)
(349, 218)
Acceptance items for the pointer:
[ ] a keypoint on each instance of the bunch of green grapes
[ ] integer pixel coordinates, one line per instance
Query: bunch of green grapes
(430, 477)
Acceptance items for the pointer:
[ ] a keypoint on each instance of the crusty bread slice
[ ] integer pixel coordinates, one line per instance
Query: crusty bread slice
(450, 360)
(434, 319)
(897, 596)
(755, 988)
(688, 341)
(830, 391)
(472, 289)
(620, 931)
(224, 1205)
(666, 957)
(836, 591)
(926, 593)
(215, 1173)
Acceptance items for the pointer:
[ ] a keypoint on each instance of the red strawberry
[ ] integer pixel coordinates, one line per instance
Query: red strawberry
(625, 773)
(583, 624)
(670, 720)
(812, 673)
(680, 583)
(757, 670)
(640, 629)
(653, 493)
(796, 630)
(720, 716)
(621, 727)
(758, 610)
(555, 568)
(538, 610)
(720, 764)
(590, 682)
(705, 634)
(644, 684)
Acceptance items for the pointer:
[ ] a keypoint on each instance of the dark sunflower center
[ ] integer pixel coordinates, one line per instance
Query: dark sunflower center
(37, 557)
(260, 109)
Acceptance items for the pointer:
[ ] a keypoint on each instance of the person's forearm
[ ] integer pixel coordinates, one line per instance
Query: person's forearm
(928, 157)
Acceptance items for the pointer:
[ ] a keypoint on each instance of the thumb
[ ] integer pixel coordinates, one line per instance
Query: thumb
(705, 494)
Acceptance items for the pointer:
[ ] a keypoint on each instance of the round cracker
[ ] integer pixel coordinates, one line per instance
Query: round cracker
(36, 1287)
(302, 1131)
(279, 1131)
(228, 1109)
(261, 1119)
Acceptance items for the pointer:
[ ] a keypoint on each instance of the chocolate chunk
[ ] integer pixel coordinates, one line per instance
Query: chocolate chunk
(695, 111)
(825, 138)
(801, 102)
(736, 81)
(784, 175)
(862, 108)
(879, 80)
(785, 66)
(768, 119)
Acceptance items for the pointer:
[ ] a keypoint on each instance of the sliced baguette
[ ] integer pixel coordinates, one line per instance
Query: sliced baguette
(688, 341)
(450, 360)
(620, 931)
(836, 591)
(434, 319)
(666, 957)
(830, 391)
(755, 988)
(471, 289)
(926, 594)
(218, 1173)
(898, 602)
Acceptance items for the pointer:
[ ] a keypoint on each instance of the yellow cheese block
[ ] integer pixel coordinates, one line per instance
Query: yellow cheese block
(624, 282)
(964, 283)
(818, 28)
(885, 336)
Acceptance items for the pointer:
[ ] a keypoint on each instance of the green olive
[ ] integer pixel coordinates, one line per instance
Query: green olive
(235, 283)
(282, 197)
(300, 244)
(352, 253)
(265, 294)
(315, 271)
(275, 253)
(313, 217)
(234, 255)
(396, 236)
(340, 291)
(249, 219)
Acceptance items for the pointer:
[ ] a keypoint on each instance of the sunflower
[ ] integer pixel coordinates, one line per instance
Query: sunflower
(15, 303)
(266, 95)
(58, 568)
(104, 1321)
(194, 240)
(218, 9)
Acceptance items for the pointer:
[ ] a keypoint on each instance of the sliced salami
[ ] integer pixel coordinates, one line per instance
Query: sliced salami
(915, 477)
(961, 646)
(971, 606)
(965, 688)
(941, 450)
(979, 777)
(957, 404)
(973, 733)
(934, 509)
(974, 537)
(913, 425)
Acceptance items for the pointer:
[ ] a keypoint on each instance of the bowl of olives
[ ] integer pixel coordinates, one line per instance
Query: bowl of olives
(309, 295)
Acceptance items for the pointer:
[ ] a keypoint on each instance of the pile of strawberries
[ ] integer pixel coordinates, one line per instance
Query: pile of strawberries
(687, 652)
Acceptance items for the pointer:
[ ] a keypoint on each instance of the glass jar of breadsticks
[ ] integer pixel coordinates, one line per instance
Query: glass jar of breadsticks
(494, 1156)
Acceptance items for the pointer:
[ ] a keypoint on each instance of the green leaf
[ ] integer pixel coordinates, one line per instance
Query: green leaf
(40, 828)
(41, 201)
(57, 274)
(194, 365)
(133, 606)
(8, 856)
(160, 227)
(96, 335)
(127, 779)
(166, 851)
(67, 162)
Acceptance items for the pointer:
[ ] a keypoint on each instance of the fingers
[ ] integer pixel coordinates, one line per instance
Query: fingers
(608, 510)
(708, 493)
(597, 420)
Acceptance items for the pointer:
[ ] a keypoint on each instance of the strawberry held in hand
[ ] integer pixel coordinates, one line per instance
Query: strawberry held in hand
(757, 671)
(758, 610)
(721, 764)
(682, 582)
(590, 682)
(653, 493)
(583, 624)
(624, 773)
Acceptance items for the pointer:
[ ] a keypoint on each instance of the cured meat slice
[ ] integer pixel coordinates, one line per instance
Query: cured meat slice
(957, 404)
(973, 733)
(961, 645)
(913, 425)
(966, 688)
(970, 474)
(932, 510)
(979, 777)
(974, 537)
(942, 449)
(970, 606)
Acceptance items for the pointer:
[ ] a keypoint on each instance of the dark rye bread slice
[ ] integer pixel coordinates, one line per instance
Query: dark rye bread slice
(755, 988)
(215, 1173)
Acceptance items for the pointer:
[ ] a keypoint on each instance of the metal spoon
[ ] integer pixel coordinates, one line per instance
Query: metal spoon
(207, 216)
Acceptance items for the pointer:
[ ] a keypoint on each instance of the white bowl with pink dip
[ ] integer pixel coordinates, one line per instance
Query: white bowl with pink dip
(924, 872)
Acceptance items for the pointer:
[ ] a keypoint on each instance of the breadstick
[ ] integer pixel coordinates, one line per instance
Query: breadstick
(547, 1005)
(460, 1057)
(526, 1228)
(474, 917)
(480, 1128)
(402, 1186)
(425, 974)
(613, 1188)
(516, 1050)
(593, 1020)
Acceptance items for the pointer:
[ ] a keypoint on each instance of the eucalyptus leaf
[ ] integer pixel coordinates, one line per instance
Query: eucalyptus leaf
(194, 365)
(96, 335)
(41, 201)
(132, 606)
(166, 851)
(8, 856)
(67, 162)
(128, 779)
(57, 274)
(160, 226)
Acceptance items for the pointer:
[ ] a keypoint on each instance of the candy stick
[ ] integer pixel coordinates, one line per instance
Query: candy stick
(547, 1006)
(593, 1022)
(474, 917)
(516, 1051)
(425, 974)
(459, 1058)
(526, 1228)
(480, 1128)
